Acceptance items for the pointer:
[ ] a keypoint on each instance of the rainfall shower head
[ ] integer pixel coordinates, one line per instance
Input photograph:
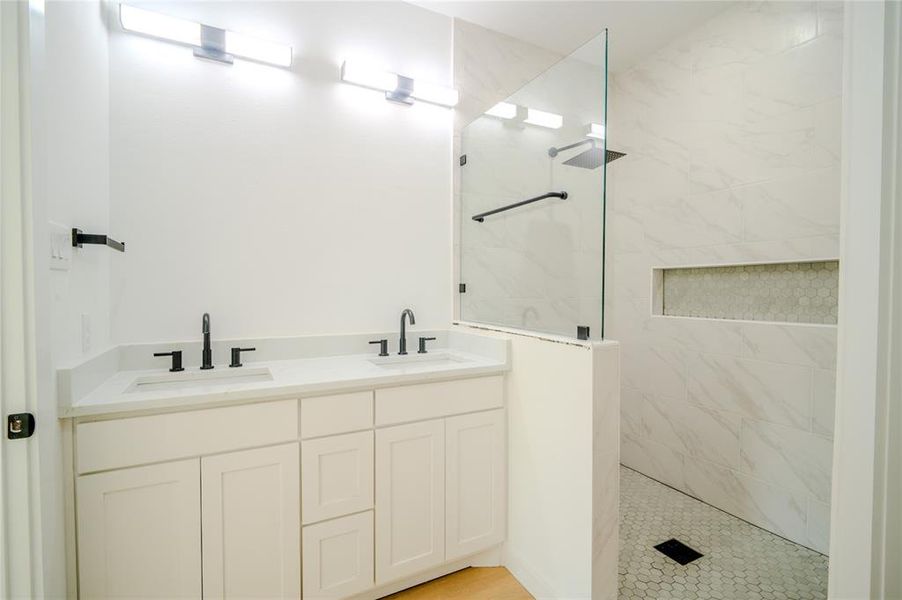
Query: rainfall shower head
(592, 158)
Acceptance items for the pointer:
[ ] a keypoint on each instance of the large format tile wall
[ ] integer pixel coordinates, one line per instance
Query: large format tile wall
(733, 141)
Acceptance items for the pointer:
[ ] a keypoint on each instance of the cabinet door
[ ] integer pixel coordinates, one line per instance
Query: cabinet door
(251, 523)
(139, 532)
(476, 484)
(338, 557)
(410, 499)
(337, 476)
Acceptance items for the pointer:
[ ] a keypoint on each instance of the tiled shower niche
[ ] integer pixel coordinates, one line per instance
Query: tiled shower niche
(798, 292)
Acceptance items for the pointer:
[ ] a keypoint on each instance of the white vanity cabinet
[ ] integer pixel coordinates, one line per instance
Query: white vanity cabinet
(440, 493)
(334, 496)
(139, 532)
(251, 523)
(201, 517)
(410, 499)
(475, 482)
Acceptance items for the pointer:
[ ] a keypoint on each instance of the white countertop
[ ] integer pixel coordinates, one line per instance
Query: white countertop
(289, 379)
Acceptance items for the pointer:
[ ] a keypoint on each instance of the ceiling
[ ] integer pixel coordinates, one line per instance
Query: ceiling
(637, 27)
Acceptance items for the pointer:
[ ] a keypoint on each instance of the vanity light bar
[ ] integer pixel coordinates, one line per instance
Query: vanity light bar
(397, 87)
(594, 130)
(543, 119)
(158, 25)
(503, 110)
(208, 41)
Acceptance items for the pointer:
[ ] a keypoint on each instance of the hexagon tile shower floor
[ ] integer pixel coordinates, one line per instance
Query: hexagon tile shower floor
(740, 562)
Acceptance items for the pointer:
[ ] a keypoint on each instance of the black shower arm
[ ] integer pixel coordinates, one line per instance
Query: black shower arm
(552, 152)
(481, 216)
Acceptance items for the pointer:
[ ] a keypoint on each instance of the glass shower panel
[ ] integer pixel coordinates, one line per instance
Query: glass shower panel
(540, 265)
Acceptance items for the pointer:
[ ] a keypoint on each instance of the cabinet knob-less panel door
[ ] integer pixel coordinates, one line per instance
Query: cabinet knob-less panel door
(338, 557)
(476, 484)
(337, 476)
(410, 499)
(251, 523)
(139, 532)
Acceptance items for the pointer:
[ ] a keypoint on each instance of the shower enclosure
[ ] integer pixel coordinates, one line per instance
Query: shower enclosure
(532, 202)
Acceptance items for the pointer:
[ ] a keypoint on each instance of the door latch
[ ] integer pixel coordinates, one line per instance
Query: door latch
(19, 425)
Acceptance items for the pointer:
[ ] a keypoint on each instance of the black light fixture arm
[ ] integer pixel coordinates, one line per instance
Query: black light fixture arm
(79, 238)
(481, 216)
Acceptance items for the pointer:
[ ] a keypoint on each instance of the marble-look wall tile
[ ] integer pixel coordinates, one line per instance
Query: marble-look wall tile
(724, 155)
(632, 403)
(751, 31)
(805, 345)
(824, 402)
(755, 389)
(734, 150)
(822, 247)
(800, 77)
(830, 18)
(788, 457)
(773, 508)
(698, 432)
(653, 459)
(654, 370)
(795, 206)
(699, 220)
(710, 336)
(818, 526)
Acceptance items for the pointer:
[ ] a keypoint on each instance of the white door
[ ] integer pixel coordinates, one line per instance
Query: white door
(410, 499)
(251, 523)
(20, 478)
(337, 476)
(475, 483)
(139, 532)
(338, 557)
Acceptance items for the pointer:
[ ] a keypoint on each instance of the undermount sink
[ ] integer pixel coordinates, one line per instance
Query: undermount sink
(193, 379)
(432, 359)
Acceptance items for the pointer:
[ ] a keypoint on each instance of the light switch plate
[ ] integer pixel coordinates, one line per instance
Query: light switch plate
(60, 246)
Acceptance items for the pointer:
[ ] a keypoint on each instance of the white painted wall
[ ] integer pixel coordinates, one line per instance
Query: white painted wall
(69, 124)
(563, 459)
(732, 134)
(283, 202)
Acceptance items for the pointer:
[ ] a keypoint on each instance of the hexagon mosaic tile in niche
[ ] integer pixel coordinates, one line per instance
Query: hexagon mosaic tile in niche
(792, 292)
(739, 562)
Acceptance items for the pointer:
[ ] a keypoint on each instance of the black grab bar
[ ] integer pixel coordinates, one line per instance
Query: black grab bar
(481, 216)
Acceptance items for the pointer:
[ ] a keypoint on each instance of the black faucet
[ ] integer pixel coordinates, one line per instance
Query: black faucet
(402, 345)
(207, 362)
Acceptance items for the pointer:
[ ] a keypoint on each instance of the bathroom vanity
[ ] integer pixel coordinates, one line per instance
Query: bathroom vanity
(317, 474)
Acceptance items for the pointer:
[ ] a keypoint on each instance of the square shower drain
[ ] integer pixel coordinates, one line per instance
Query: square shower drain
(678, 551)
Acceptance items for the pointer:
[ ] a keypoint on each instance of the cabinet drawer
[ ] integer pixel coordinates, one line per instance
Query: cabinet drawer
(338, 557)
(102, 445)
(340, 413)
(337, 476)
(432, 400)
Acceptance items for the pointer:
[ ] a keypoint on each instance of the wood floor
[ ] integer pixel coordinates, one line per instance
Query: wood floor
(475, 583)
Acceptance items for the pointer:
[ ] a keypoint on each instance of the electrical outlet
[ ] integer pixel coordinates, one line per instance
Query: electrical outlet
(85, 333)
(60, 246)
